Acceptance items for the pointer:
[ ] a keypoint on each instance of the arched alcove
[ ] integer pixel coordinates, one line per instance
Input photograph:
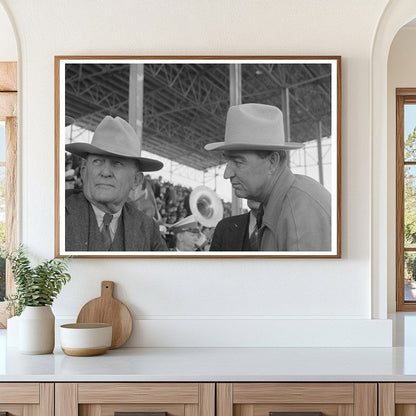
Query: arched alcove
(396, 15)
(401, 74)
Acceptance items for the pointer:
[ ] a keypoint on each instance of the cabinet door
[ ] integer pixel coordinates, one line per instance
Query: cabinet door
(26, 399)
(297, 399)
(397, 399)
(142, 399)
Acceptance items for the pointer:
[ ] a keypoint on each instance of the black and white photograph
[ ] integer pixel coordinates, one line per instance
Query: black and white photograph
(198, 156)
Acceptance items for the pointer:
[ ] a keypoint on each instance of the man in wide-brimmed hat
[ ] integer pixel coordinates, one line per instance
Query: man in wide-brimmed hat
(295, 211)
(99, 218)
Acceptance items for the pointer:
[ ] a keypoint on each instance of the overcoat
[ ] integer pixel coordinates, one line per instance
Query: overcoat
(141, 233)
(297, 215)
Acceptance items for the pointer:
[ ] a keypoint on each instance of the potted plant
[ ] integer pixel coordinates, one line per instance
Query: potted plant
(36, 289)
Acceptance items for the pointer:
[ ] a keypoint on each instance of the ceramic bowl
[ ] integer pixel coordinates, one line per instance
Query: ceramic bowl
(84, 340)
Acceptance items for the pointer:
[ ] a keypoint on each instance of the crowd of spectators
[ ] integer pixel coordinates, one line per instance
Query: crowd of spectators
(172, 201)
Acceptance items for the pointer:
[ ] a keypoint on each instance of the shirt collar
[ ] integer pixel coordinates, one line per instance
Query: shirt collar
(99, 215)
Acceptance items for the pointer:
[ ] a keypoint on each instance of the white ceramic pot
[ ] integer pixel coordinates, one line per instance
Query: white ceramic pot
(37, 330)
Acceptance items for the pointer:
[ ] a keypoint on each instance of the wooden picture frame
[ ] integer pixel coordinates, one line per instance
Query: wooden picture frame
(177, 105)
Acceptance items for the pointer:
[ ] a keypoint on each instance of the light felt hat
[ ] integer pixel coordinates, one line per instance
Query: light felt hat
(254, 127)
(188, 223)
(115, 137)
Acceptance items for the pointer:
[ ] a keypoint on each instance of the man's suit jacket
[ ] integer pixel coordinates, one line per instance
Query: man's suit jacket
(231, 234)
(140, 231)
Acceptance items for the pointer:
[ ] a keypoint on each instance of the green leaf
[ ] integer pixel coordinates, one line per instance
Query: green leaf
(35, 286)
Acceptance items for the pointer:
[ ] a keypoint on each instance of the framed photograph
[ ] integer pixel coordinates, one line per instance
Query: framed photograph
(198, 156)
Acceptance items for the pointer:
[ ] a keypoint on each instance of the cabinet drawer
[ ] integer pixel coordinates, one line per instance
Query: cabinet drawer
(293, 392)
(19, 393)
(397, 399)
(138, 393)
(21, 399)
(268, 399)
(106, 399)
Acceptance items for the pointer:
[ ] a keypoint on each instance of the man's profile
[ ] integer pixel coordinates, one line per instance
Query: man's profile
(295, 210)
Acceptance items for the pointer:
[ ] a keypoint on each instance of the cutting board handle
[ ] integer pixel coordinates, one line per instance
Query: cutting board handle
(107, 289)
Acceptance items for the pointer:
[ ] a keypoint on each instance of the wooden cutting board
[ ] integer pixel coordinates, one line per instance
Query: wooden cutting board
(109, 310)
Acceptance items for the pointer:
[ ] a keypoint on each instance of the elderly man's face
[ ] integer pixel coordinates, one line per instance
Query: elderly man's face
(248, 173)
(107, 181)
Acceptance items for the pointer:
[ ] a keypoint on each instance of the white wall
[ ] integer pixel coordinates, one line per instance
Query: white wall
(212, 301)
(401, 74)
(8, 45)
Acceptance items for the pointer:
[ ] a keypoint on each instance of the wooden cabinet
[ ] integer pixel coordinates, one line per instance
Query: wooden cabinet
(27, 399)
(222, 399)
(331, 399)
(208, 399)
(397, 399)
(105, 399)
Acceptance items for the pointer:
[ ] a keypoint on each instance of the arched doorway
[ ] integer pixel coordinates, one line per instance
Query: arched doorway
(395, 16)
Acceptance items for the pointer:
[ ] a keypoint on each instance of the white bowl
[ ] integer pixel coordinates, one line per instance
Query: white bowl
(85, 339)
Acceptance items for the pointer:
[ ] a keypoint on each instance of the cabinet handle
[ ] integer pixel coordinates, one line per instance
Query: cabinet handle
(295, 413)
(138, 414)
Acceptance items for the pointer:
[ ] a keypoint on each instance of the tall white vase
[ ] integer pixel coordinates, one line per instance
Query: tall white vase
(37, 330)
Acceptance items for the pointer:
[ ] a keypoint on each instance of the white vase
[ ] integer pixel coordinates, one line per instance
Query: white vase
(37, 330)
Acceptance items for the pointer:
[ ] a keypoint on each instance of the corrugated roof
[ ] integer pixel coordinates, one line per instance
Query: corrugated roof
(185, 105)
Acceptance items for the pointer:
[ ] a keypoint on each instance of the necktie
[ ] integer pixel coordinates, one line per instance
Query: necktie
(259, 217)
(255, 236)
(105, 232)
(254, 239)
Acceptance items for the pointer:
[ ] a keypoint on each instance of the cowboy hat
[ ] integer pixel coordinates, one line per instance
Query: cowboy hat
(115, 137)
(254, 127)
